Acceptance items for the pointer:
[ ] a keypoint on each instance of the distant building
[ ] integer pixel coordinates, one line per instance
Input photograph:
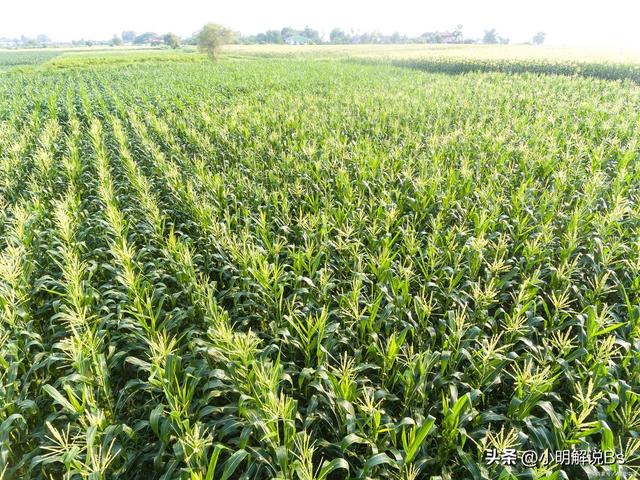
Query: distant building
(148, 38)
(297, 40)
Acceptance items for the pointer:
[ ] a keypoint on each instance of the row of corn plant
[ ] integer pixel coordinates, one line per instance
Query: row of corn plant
(290, 269)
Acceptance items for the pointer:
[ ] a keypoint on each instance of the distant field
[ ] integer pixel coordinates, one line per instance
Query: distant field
(457, 59)
(124, 56)
(74, 57)
(15, 58)
(421, 51)
(450, 59)
(319, 263)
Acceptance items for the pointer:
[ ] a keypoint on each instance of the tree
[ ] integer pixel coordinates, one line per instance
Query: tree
(312, 34)
(287, 32)
(397, 37)
(192, 40)
(338, 36)
(212, 37)
(172, 40)
(431, 37)
(273, 36)
(490, 36)
(128, 36)
(539, 38)
(116, 41)
(457, 34)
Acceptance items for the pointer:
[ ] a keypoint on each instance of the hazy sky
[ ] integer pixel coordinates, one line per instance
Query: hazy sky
(566, 22)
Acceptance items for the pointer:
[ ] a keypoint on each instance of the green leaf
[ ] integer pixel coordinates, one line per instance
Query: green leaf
(233, 463)
(378, 459)
(420, 435)
(58, 397)
(333, 465)
(213, 461)
(610, 328)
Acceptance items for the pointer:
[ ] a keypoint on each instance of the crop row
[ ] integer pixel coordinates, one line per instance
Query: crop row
(460, 65)
(277, 269)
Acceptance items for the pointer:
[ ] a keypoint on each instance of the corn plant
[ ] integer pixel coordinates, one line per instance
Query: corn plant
(278, 268)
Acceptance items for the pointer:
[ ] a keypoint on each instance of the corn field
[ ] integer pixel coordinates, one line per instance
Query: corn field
(276, 268)
(13, 58)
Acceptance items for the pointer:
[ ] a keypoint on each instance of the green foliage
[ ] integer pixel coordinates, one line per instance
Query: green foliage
(539, 38)
(315, 270)
(212, 37)
(338, 35)
(172, 40)
(490, 37)
(16, 58)
(458, 66)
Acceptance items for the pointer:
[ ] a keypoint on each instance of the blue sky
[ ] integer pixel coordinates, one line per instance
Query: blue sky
(584, 23)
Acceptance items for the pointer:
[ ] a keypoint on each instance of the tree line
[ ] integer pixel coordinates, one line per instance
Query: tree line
(338, 36)
(216, 35)
(310, 35)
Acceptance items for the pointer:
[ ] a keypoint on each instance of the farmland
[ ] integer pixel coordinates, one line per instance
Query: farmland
(272, 267)
(423, 51)
(10, 59)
